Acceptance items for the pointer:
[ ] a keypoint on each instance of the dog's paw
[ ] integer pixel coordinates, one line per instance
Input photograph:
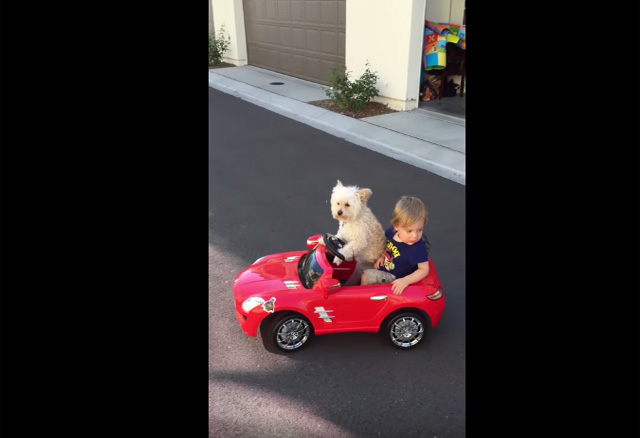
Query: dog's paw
(337, 261)
(346, 257)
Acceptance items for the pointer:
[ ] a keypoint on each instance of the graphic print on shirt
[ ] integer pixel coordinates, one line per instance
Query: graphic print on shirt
(390, 253)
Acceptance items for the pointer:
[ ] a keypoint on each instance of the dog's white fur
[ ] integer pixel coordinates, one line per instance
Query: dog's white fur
(358, 226)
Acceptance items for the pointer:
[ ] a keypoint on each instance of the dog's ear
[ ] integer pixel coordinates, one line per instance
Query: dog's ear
(364, 194)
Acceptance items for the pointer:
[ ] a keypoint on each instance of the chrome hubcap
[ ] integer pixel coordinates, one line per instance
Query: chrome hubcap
(292, 334)
(407, 332)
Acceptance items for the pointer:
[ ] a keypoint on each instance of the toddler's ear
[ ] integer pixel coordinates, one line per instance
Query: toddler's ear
(364, 194)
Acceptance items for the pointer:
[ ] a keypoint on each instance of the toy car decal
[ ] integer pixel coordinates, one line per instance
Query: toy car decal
(291, 259)
(269, 306)
(292, 284)
(251, 302)
(324, 314)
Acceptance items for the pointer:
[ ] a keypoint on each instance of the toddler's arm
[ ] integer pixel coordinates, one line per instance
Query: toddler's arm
(400, 284)
(378, 262)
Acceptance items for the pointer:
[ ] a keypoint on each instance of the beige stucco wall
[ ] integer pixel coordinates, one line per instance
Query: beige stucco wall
(389, 36)
(230, 13)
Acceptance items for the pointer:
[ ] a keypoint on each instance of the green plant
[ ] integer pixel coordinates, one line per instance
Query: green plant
(350, 95)
(218, 46)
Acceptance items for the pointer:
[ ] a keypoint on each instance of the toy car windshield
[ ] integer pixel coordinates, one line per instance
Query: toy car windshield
(309, 269)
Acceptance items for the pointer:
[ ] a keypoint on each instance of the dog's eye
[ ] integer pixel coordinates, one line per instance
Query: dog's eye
(346, 205)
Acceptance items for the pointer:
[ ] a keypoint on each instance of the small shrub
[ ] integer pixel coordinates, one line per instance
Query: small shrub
(218, 46)
(350, 95)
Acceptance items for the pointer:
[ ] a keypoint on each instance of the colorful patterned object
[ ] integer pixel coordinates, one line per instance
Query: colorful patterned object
(435, 50)
(436, 37)
(460, 32)
(453, 33)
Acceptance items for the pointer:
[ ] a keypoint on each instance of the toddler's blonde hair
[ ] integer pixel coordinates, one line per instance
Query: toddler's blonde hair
(407, 211)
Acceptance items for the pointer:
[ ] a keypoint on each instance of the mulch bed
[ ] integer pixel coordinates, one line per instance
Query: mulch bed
(370, 109)
(220, 65)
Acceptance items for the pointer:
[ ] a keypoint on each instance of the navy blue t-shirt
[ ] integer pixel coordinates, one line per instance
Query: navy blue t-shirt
(401, 259)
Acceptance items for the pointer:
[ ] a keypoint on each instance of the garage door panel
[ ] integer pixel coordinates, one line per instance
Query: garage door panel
(302, 38)
(313, 64)
(298, 63)
(329, 12)
(312, 39)
(329, 42)
(299, 40)
(285, 36)
(342, 14)
(342, 51)
(254, 33)
(297, 11)
(260, 8)
(326, 67)
(272, 35)
(311, 12)
(284, 10)
(272, 9)
(264, 55)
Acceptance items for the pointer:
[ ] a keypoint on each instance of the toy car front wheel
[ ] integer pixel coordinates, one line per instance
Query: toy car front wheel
(405, 330)
(287, 333)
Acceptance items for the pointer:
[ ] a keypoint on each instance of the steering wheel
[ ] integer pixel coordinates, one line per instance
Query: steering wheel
(333, 244)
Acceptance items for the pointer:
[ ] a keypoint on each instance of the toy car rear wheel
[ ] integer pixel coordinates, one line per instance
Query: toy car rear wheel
(287, 333)
(406, 330)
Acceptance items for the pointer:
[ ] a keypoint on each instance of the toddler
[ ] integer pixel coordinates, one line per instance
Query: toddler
(405, 260)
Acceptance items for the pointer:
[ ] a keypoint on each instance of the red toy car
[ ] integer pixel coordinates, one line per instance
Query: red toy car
(295, 295)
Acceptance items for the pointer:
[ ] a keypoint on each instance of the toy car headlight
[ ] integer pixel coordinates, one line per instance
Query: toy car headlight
(251, 302)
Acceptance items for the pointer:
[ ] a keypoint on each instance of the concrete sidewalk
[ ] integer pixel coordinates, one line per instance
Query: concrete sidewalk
(428, 140)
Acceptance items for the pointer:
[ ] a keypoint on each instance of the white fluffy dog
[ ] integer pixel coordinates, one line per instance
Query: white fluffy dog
(358, 227)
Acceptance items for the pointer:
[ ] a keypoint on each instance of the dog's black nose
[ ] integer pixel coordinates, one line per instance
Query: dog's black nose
(339, 212)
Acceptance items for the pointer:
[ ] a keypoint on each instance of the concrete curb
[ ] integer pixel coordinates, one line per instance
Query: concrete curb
(422, 154)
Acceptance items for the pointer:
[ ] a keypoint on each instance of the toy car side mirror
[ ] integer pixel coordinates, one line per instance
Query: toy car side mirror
(327, 284)
(312, 241)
